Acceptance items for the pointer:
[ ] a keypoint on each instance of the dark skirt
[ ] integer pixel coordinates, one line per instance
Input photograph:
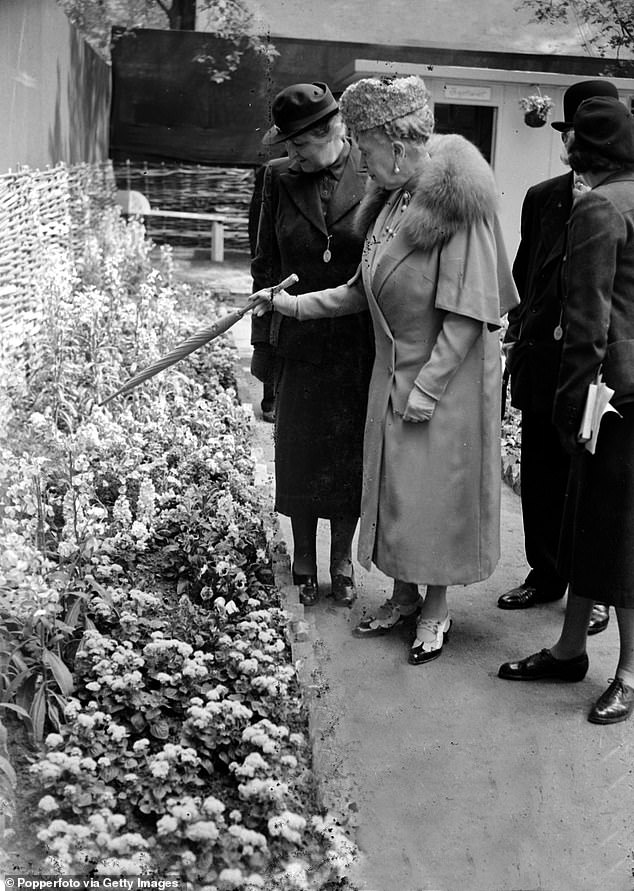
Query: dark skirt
(319, 420)
(596, 552)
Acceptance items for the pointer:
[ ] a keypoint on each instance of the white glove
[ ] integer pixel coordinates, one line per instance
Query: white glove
(281, 302)
(420, 406)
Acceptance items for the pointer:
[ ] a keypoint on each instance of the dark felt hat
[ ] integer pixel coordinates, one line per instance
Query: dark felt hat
(298, 108)
(604, 125)
(577, 93)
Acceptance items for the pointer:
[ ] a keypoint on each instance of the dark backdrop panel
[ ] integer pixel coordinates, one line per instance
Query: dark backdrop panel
(166, 107)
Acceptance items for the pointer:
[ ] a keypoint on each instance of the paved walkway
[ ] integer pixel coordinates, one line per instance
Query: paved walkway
(453, 779)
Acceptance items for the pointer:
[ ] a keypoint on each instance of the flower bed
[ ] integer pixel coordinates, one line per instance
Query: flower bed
(143, 642)
(511, 444)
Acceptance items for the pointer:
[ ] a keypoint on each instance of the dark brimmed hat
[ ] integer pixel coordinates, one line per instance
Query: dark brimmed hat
(577, 93)
(298, 108)
(604, 125)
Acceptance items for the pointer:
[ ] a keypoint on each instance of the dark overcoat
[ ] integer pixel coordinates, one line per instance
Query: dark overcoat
(597, 552)
(534, 361)
(323, 367)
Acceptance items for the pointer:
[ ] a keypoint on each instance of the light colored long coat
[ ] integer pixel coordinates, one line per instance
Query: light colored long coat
(430, 504)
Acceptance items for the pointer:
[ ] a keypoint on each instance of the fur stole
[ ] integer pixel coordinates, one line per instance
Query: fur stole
(454, 189)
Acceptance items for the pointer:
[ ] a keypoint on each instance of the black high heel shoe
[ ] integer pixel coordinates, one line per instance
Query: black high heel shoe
(308, 589)
(343, 589)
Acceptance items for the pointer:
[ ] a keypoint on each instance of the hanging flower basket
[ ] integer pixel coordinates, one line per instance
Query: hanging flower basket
(534, 119)
(536, 109)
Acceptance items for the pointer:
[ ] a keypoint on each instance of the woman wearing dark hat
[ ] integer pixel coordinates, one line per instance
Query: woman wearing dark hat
(436, 280)
(597, 548)
(321, 370)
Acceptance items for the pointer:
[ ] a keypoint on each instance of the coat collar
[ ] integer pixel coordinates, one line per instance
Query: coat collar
(303, 191)
(454, 189)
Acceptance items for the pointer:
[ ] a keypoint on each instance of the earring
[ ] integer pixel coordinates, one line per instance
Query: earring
(397, 169)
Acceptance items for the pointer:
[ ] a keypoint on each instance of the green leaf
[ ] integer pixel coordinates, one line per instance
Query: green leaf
(38, 712)
(72, 615)
(138, 721)
(60, 671)
(16, 708)
(24, 696)
(160, 730)
(8, 771)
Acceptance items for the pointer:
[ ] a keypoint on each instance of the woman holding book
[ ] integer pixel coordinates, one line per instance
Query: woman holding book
(597, 547)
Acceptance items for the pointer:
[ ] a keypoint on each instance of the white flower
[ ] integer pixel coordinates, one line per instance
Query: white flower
(36, 419)
(163, 678)
(159, 769)
(212, 805)
(252, 763)
(166, 825)
(288, 825)
(233, 878)
(48, 804)
(297, 875)
(117, 732)
(248, 666)
(203, 830)
(139, 530)
(67, 548)
(53, 740)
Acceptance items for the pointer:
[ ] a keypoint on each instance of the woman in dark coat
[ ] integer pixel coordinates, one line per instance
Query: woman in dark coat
(597, 547)
(321, 370)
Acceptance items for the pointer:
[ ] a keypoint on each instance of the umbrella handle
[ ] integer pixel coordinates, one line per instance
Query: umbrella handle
(288, 281)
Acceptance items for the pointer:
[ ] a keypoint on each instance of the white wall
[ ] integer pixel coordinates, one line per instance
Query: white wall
(54, 90)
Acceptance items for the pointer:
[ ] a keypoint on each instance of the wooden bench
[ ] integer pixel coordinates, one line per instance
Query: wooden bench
(136, 204)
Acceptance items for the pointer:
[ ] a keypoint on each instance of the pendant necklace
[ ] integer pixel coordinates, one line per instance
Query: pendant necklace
(558, 333)
(327, 254)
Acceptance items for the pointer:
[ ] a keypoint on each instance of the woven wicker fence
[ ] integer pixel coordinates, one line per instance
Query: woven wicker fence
(46, 212)
(42, 212)
(192, 188)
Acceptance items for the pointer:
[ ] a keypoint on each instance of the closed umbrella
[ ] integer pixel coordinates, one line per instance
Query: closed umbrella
(195, 342)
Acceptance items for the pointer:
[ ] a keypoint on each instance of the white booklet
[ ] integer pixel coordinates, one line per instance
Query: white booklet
(597, 405)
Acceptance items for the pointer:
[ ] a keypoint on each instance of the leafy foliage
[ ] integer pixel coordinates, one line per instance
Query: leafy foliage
(611, 22)
(230, 20)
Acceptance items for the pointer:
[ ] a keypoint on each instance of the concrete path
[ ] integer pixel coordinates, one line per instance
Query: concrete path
(454, 779)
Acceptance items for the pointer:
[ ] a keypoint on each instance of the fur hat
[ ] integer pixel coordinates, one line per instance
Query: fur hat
(604, 125)
(373, 101)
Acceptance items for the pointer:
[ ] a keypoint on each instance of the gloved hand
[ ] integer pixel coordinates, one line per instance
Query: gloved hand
(283, 302)
(420, 406)
(263, 363)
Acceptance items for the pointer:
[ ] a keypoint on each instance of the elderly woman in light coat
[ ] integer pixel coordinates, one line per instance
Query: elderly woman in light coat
(436, 280)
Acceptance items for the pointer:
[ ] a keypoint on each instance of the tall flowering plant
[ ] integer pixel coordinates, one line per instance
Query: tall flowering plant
(143, 642)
